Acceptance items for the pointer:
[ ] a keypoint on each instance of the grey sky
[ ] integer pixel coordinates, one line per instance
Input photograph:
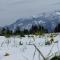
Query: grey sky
(11, 10)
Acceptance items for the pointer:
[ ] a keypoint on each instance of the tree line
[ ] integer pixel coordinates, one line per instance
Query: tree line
(35, 30)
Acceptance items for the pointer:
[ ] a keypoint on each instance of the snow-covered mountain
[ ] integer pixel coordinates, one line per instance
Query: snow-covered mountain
(48, 20)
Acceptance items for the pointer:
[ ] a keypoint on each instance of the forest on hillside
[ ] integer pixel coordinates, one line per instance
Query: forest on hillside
(35, 30)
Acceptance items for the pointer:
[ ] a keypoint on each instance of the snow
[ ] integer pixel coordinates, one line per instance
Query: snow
(58, 13)
(27, 50)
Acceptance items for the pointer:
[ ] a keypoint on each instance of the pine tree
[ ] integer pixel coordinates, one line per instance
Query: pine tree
(17, 31)
(34, 29)
(38, 30)
(26, 32)
(3, 31)
(57, 28)
(7, 33)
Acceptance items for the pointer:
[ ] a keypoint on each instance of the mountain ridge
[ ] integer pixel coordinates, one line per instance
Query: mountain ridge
(48, 21)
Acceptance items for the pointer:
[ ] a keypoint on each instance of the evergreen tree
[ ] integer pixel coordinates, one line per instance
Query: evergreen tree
(26, 32)
(38, 29)
(22, 34)
(3, 31)
(57, 28)
(34, 29)
(17, 31)
(8, 32)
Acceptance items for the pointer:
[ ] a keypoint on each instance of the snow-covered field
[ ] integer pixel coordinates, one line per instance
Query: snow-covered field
(22, 48)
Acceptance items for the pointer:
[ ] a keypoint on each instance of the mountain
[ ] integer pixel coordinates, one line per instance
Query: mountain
(47, 20)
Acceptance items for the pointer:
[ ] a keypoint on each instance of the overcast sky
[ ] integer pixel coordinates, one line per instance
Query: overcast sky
(11, 10)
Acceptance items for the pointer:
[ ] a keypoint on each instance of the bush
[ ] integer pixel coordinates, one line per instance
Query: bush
(7, 54)
(56, 58)
(47, 43)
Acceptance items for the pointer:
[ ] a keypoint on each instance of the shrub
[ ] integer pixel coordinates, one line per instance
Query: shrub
(7, 54)
(56, 58)
(47, 43)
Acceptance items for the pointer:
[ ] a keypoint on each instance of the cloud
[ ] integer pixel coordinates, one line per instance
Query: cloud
(11, 10)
